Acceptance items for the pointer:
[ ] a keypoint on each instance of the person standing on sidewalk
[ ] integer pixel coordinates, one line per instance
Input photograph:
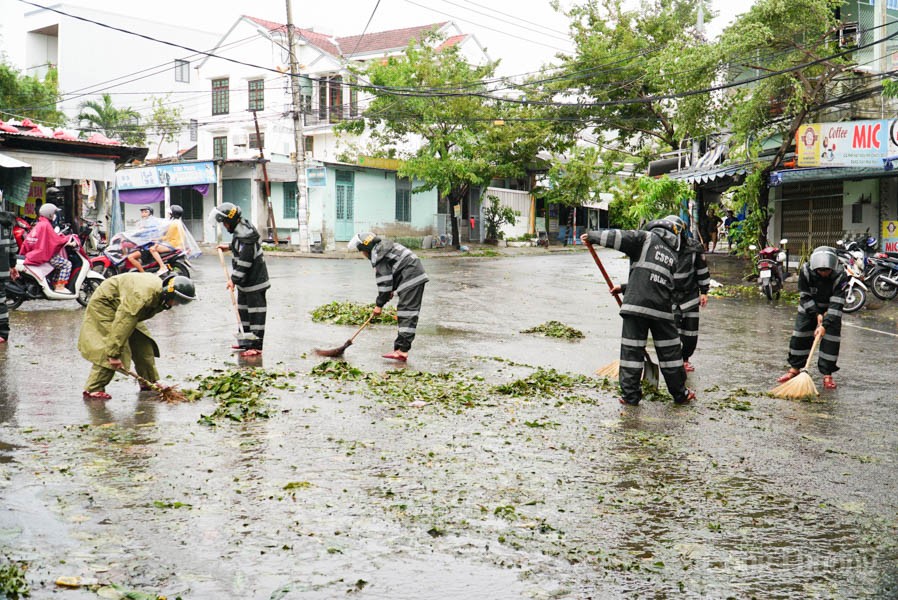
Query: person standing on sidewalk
(249, 275)
(821, 297)
(397, 270)
(7, 263)
(692, 280)
(647, 305)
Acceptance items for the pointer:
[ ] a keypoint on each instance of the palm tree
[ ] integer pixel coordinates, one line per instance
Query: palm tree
(115, 123)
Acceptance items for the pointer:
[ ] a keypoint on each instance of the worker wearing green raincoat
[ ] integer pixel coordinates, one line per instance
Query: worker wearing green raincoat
(113, 333)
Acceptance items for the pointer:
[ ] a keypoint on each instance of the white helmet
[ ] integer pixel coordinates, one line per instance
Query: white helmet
(48, 210)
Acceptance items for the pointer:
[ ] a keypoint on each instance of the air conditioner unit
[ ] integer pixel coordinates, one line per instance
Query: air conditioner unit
(241, 139)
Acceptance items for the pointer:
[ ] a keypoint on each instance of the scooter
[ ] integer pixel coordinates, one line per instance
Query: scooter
(114, 258)
(884, 283)
(853, 262)
(29, 282)
(770, 263)
(93, 238)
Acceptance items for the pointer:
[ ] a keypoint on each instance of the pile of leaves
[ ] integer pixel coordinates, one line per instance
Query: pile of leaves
(751, 292)
(549, 382)
(405, 386)
(13, 584)
(556, 329)
(351, 313)
(241, 394)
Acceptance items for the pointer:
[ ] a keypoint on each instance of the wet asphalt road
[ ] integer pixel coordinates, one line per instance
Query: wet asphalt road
(739, 495)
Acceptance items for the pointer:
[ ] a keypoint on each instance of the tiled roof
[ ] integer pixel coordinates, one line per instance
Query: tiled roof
(385, 40)
(455, 39)
(362, 44)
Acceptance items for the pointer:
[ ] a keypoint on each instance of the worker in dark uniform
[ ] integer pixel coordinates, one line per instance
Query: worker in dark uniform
(397, 270)
(647, 305)
(691, 283)
(7, 262)
(822, 285)
(249, 275)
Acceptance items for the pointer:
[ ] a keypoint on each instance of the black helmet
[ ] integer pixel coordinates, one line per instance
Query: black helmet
(178, 287)
(664, 224)
(175, 211)
(363, 242)
(54, 194)
(823, 257)
(227, 213)
(146, 208)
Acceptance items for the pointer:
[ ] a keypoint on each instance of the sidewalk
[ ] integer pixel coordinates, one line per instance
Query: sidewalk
(474, 251)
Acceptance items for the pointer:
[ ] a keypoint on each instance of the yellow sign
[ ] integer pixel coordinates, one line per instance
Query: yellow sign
(890, 236)
(807, 145)
(36, 192)
(388, 164)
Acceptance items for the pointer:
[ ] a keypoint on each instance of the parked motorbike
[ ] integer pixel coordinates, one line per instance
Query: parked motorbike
(114, 258)
(19, 230)
(853, 262)
(30, 282)
(93, 238)
(769, 263)
(884, 282)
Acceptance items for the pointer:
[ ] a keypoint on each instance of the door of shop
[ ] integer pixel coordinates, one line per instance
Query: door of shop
(345, 201)
(192, 202)
(811, 214)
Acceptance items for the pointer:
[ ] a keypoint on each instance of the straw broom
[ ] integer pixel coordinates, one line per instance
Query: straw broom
(800, 386)
(169, 393)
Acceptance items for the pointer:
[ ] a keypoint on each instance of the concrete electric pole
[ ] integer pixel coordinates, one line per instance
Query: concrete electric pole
(302, 212)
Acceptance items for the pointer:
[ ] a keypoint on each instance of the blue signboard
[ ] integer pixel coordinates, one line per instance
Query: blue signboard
(166, 176)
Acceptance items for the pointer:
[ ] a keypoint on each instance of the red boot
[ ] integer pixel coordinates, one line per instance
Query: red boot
(789, 375)
(828, 383)
(688, 366)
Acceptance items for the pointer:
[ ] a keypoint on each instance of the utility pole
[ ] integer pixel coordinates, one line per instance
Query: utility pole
(302, 212)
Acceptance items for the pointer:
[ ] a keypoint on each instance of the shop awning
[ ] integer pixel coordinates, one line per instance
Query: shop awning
(63, 166)
(15, 179)
(823, 173)
(711, 174)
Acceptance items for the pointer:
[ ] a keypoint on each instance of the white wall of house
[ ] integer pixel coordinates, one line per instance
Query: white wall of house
(93, 60)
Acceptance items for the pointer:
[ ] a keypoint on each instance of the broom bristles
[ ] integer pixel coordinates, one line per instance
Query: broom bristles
(800, 386)
(609, 371)
(333, 352)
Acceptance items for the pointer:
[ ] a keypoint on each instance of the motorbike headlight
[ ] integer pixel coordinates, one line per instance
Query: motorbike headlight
(781, 257)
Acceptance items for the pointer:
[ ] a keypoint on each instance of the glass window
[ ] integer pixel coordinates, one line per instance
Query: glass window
(290, 200)
(403, 200)
(220, 147)
(257, 94)
(182, 71)
(335, 93)
(254, 141)
(193, 128)
(220, 96)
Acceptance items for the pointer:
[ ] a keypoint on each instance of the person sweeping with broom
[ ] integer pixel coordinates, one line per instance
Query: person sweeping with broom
(647, 306)
(821, 296)
(113, 333)
(397, 270)
(692, 280)
(249, 275)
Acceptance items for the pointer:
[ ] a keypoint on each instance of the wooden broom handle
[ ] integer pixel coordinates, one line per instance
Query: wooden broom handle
(596, 258)
(359, 330)
(814, 347)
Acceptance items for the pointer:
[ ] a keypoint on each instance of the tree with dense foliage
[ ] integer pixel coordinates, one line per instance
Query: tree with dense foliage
(791, 50)
(22, 97)
(630, 71)
(113, 122)
(434, 110)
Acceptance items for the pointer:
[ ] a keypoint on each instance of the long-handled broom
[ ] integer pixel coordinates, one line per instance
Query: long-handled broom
(612, 370)
(338, 351)
(241, 334)
(169, 393)
(802, 385)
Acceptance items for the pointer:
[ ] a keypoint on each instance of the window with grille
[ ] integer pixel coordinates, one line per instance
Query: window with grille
(220, 147)
(345, 183)
(335, 94)
(310, 145)
(254, 141)
(403, 200)
(220, 96)
(194, 129)
(257, 94)
(182, 71)
(291, 200)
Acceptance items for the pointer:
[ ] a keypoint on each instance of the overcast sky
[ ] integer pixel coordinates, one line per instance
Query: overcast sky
(524, 34)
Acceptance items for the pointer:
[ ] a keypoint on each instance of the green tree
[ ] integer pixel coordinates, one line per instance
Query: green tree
(793, 47)
(495, 215)
(165, 122)
(23, 96)
(115, 123)
(434, 101)
(630, 69)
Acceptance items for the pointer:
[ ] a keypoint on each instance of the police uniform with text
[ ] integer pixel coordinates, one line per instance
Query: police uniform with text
(647, 306)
